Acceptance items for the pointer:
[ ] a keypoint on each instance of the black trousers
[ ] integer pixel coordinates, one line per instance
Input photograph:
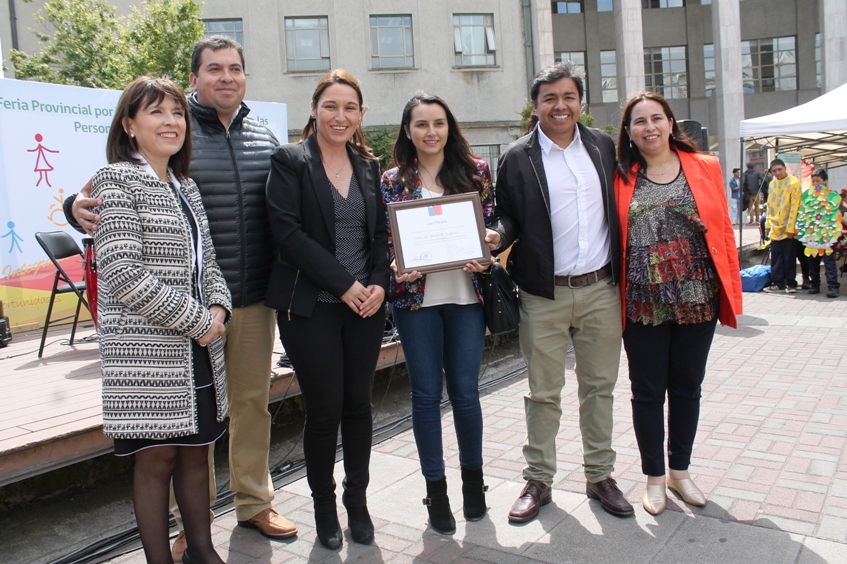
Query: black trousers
(334, 354)
(666, 359)
(784, 263)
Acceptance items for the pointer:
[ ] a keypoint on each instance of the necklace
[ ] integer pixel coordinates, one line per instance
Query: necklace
(432, 176)
(675, 160)
(337, 172)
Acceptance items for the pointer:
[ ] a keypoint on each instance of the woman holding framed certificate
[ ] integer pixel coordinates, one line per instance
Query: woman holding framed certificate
(439, 315)
(328, 286)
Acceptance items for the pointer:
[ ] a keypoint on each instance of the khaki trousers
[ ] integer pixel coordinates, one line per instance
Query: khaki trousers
(248, 350)
(591, 317)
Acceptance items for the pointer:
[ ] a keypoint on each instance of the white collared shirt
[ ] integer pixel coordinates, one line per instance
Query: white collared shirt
(580, 231)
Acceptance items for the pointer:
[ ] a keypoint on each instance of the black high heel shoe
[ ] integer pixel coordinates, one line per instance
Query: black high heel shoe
(328, 530)
(186, 558)
(361, 526)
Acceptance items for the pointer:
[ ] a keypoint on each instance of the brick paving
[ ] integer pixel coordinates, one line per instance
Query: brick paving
(770, 456)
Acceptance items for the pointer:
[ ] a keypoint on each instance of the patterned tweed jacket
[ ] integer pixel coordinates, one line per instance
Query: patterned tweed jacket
(147, 317)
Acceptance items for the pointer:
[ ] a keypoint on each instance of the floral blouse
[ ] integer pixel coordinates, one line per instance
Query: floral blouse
(409, 295)
(669, 273)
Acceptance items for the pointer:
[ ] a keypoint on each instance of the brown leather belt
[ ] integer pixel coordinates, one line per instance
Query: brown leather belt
(582, 280)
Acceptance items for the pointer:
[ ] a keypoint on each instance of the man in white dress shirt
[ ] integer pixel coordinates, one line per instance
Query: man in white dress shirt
(555, 202)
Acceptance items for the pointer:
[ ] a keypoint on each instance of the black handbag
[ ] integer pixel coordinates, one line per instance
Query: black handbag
(501, 304)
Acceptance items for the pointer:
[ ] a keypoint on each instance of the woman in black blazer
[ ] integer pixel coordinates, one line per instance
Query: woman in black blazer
(328, 286)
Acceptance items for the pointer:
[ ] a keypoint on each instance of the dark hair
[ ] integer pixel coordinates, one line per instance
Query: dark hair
(736, 170)
(821, 173)
(776, 162)
(555, 73)
(628, 153)
(459, 173)
(340, 76)
(215, 43)
(139, 94)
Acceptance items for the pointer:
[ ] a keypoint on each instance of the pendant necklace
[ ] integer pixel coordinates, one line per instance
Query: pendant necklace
(337, 172)
(664, 171)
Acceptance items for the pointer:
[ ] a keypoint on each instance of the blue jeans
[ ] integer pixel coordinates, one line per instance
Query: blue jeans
(830, 268)
(449, 337)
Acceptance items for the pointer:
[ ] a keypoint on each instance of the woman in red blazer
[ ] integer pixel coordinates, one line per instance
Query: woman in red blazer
(681, 276)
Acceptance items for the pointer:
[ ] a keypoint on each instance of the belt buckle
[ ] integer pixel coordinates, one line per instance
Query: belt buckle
(569, 282)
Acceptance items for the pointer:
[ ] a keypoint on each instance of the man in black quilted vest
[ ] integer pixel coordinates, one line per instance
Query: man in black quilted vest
(230, 163)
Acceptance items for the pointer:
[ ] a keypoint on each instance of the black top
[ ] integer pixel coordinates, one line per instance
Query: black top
(303, 224)
(351, 236)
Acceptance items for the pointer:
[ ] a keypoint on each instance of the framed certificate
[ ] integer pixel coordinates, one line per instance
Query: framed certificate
(438, 234)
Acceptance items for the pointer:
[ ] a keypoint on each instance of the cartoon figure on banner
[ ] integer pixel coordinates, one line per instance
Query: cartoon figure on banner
(57, 208)
(819, 220)
(42, 167)
(15, 238)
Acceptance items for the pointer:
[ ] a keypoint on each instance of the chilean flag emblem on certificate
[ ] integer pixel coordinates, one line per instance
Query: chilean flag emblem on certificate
(435, 210)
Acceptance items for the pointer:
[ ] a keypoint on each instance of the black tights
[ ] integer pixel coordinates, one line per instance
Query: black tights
(188, 466)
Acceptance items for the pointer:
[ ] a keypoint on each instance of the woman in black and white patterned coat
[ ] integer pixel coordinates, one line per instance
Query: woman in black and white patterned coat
(162, 306)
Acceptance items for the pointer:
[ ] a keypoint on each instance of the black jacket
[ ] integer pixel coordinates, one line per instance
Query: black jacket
(523, 208)
(751, 181)
(230, 167)
(302, 217)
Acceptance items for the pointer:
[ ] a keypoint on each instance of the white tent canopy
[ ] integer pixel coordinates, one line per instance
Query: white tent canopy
(817, 129)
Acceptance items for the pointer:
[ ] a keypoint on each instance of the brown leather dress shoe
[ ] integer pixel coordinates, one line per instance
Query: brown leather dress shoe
(180, 544)
(534, 495)
(271, 524)
(610, 497)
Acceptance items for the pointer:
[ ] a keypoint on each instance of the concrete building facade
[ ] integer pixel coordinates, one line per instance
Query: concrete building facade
(473, 54)
(481, 54)
(788, 53)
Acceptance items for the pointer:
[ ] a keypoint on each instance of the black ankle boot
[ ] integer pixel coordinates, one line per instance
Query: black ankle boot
(361, 526)
(328, 529)
(438, 505)
(473, 492)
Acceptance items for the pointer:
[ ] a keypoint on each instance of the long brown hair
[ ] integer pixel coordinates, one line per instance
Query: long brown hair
(459, 173)
(138, 95)
(340, 76)
(628, 153)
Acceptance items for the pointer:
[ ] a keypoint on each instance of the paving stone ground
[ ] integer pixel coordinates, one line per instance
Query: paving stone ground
(770, 456)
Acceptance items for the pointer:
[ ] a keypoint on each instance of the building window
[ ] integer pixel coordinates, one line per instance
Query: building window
(609, 76)
(769, 65)
(709, 64)
(473, 39)
(818, 64)
(567, 7)
(307, 44)
(647, 4)
(605, 5)
(391, 41)
(665, 71)
(578, 59)
(228, 28)
(490, 154)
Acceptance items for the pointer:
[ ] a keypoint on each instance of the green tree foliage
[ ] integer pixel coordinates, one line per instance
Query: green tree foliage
(85, 43)
(161, 38)
(381, 141)
(85, 47)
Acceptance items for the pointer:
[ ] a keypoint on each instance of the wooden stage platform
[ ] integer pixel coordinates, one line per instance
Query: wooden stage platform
(50, 414)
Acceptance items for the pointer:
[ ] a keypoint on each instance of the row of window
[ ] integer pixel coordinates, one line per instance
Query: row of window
(578, 6)
(307, 41)
(768, 65)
